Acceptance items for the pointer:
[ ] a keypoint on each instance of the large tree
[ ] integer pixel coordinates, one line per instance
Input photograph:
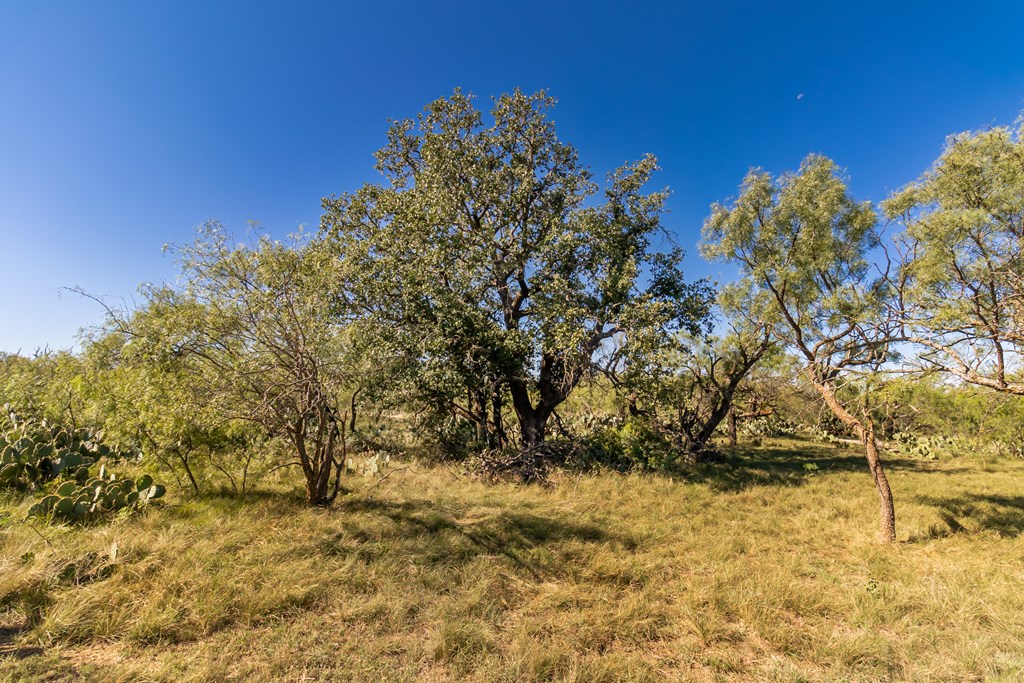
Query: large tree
(801, 242)
(963, 269)
(490, 262)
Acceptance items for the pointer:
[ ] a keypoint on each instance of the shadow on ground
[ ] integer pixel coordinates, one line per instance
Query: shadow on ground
(784, 466)
(976, 512)
(434, 535)
(9, 633)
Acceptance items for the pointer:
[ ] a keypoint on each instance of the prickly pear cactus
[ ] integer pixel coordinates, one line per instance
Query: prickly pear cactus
(57, 461)
(924, 446)
(74, 503)
(33, 453)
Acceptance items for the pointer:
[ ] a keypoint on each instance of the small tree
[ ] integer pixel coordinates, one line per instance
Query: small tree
(801, 242)
(488, 265)
(963, 271)
(688, 388)
(254, 323)
(712, 374)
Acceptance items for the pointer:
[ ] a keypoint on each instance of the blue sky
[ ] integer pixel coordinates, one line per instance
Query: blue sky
(123, 125)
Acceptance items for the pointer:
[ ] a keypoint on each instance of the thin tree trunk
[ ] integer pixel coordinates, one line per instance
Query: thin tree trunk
(188, 472)
(886, 508)
(499, 428)
(352, 418)
(866, 434)
(733, 440)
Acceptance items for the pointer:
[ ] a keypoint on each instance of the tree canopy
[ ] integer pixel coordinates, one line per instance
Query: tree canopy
(490, 260)
(963, 267)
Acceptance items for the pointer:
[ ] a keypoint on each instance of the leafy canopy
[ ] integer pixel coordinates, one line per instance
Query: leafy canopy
(963, 269)
(486, 258)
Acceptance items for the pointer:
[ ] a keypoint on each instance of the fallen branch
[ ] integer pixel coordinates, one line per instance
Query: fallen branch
(390, 472)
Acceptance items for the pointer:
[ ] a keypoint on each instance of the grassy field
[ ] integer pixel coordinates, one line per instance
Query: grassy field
(757, 569)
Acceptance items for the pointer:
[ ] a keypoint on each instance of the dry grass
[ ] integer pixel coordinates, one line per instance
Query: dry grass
(756, 569)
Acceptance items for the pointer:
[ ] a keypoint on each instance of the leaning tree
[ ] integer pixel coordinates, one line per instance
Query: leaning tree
(488, 260)
(801, 242)
(711, 375)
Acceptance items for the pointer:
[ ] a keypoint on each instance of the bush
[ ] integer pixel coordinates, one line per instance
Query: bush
(634, 444)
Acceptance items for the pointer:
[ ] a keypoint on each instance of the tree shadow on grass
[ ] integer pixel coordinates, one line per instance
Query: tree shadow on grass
(9, 633)
(433, 536)
(782, 466)
(976, 511)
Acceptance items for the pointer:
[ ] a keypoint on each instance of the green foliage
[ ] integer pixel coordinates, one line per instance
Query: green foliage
(49, 386)
(445, 437)
(645, 448)
(487, 267)
(935, 446)
(633, 444)
(769, 426)
(706, 379)
(929, 417)
(963, 270)
(250, 350)
(801, 241)
(926, 447)
(55, 462)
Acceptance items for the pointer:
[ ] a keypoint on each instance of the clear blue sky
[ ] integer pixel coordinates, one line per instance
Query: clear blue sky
(123, 125)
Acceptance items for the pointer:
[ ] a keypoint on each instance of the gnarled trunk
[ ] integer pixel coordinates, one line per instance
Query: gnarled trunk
(532, 421)
(532, 426)
(317, 456)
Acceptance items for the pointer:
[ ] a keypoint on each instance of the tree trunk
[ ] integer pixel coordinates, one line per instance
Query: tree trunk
(317, 459)
(733, 440)
(352, 416)
(886, 508)
(532, 421)
(532, 427)
(496, 409)
(317, 479)
(723, 407)
(866, 434)
(634, 409)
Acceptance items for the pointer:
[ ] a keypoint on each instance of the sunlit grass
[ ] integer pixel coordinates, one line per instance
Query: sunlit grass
(754, 569)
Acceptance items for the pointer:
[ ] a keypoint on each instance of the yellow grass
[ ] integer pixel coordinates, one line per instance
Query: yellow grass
(756, 569)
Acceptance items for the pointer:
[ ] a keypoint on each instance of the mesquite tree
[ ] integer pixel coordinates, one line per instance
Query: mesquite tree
(801, 242)
(254, 323)
(711, 374)
(490, 262)
(963, 270)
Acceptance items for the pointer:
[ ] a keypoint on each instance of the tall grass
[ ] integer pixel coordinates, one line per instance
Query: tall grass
(755, 569)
